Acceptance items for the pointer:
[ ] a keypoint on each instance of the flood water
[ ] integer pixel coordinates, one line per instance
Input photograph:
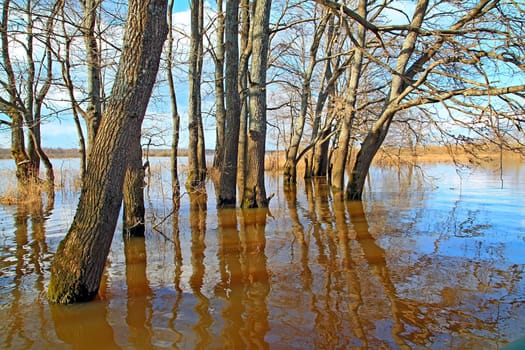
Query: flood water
(432, 258)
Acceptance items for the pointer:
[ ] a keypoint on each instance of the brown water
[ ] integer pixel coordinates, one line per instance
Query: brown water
(433, 260)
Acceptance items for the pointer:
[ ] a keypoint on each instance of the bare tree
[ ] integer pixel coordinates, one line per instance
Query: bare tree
(26, 83)
(345, 130)
(220, 110)
(254, 194)
(77, 267)
(196, 149)
(290, 167)
(175, 117)
(228, 174)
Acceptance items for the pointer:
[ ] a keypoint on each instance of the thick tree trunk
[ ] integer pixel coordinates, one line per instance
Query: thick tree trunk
(133, 192)
(18, 150)
(78, 265)
(343, 144)
(228, 175)
(246, 49)
(365, 156)
(379, 130)
(320, 156)
(194, 178)
(254, 195)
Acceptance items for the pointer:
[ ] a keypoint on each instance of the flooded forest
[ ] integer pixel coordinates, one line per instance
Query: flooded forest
(430, 259)
(334, 174)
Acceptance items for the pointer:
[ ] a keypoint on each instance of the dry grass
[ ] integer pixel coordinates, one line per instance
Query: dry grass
(474, 154)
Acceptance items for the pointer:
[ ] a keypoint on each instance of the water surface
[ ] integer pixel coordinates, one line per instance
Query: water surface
(432, 258)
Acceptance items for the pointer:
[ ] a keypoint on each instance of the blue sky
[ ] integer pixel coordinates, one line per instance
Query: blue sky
(61, 131)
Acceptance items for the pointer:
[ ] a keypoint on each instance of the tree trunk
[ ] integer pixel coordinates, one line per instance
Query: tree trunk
(25, 93)
(320, 156)
(194, 178)
(175, 117)
(379, 130)
(246, 49)
(343, 144)
(254, 195)
(94, 104)
(366, 154)
(290, 165)
(228, 175)
(220, 111)
(133, 191)
(78, 265)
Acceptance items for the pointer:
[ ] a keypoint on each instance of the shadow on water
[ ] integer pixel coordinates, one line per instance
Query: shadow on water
(425, 269)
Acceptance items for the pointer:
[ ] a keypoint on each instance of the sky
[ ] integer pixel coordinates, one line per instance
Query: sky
(60, 132)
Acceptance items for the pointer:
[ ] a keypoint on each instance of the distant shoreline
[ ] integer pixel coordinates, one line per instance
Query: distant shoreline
(386, 156)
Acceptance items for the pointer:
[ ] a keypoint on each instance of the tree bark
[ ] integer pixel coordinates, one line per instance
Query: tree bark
(93, 112)
(228, 175)
(246, 49)
(194, 178)
(78, 265)
(254, 195)
(175, 117)
(379, 130)
(220, 110)
(343, 144)
(133, 191)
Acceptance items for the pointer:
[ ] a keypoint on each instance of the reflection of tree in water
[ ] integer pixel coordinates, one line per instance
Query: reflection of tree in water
(410, 323)
(198, 234)
(178, 262)
(253, 262)
(344, 298)
(231, 286)
(139, 292)
(244, 278)
(26, 265)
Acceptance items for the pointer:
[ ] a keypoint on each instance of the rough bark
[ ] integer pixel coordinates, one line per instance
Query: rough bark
(246, 48)
(343, 144)
(228, 175)
(254, 195)
(379, 130)
(133, 191)
(194, 178)
(175, 117)
(93, 111)
(78, 265)
(220, 111)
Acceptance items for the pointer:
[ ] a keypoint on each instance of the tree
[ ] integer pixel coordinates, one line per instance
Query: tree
(175, 117)
(345, 130)
(254, 194)
(443, 60)
(220, 110)
(26, 83)
(228, 174)
(196, 149)
(77, 267)
(290, 167)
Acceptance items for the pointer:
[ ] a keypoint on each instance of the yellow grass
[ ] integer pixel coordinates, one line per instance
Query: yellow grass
(474, 154)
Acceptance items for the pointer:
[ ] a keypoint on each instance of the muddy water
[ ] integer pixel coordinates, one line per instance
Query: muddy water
(430, 259)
